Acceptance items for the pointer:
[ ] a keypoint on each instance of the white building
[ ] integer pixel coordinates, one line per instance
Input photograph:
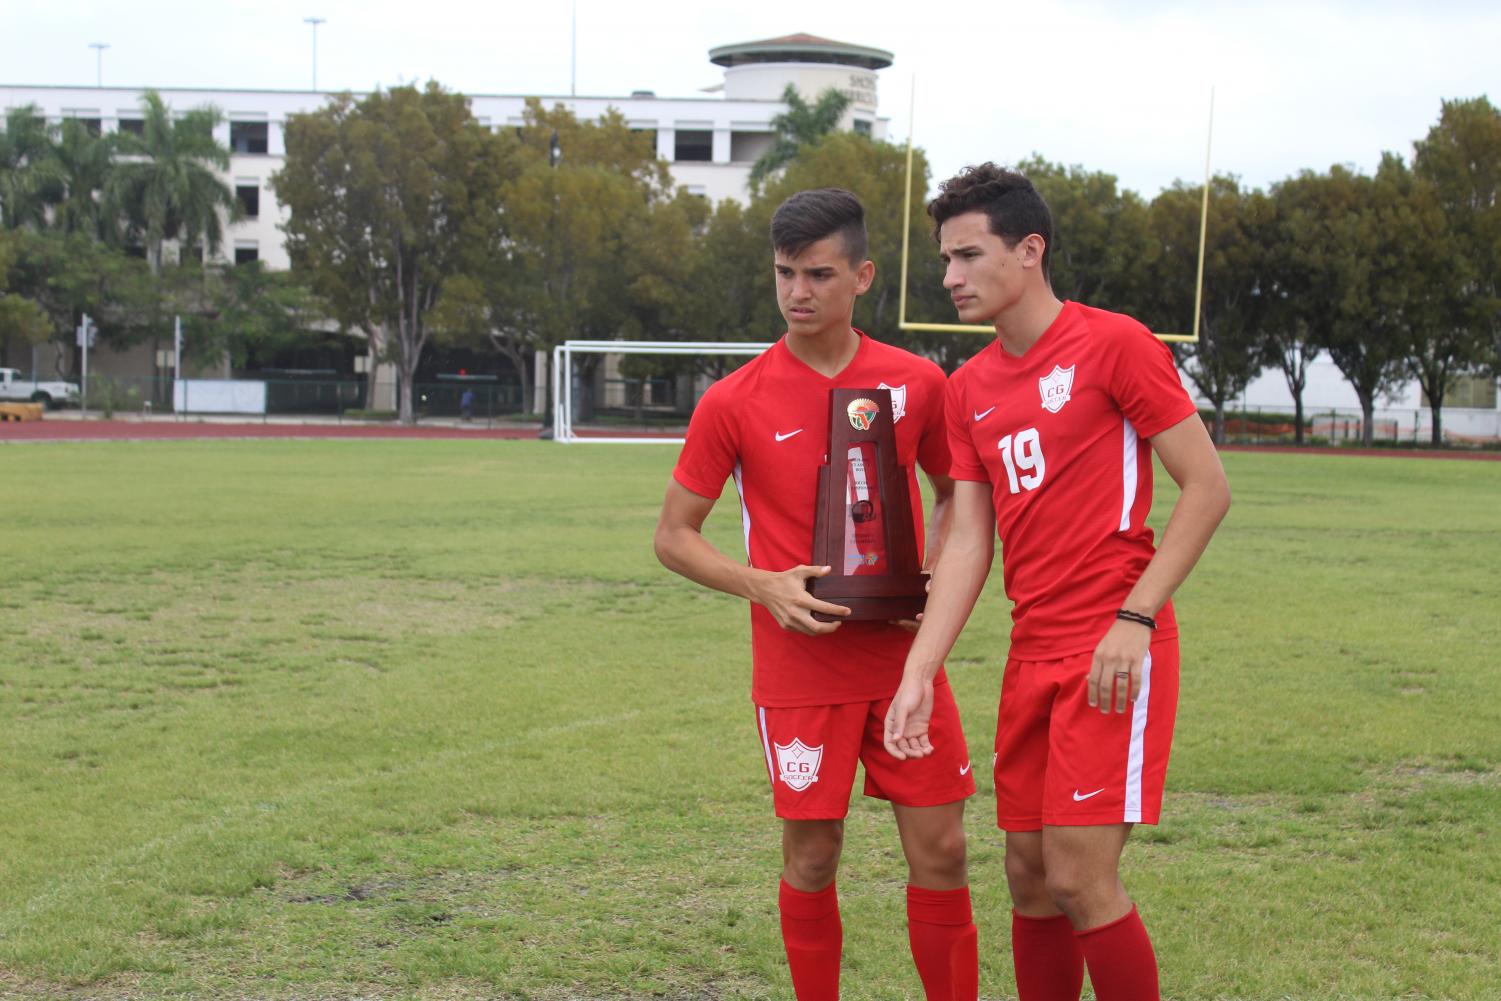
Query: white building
(710, 141)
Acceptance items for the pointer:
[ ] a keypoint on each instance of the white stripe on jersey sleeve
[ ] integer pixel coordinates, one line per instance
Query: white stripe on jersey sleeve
(1128, 475)
(744, 511)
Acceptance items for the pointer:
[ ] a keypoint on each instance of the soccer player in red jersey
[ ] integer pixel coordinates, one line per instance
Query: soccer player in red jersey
(1052, 427)
(821, 689)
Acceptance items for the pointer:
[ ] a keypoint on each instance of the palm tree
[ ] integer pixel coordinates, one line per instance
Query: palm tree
(29, 177)
(802, 124)
(168, 181)
(84, 161)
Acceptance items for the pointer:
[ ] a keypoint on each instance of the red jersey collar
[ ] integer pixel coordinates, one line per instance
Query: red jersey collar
(855, 359)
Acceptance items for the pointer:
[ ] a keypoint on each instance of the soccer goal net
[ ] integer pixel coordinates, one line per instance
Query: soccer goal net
(563, 377)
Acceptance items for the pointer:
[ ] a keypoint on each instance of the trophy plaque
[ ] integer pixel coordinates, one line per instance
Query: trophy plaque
(864, 515)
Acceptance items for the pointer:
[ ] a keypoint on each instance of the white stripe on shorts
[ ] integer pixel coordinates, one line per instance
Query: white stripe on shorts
(771, 773)
(1137, 754)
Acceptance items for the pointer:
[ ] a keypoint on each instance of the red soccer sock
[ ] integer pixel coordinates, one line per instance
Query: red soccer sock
(1049, 963)
(1122, 965)
(813, 937)
(941, 929)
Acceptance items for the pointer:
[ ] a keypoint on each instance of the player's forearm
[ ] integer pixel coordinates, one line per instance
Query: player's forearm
(939, 520)
(957, 582)
(1200, 509)
(686, 552)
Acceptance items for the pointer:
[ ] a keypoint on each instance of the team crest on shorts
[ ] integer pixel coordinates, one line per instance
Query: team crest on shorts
(862, 413)
(797, 764)
(1055, 387)
(898, 400)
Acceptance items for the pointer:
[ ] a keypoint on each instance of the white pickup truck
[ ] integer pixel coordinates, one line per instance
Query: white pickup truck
(50, 394)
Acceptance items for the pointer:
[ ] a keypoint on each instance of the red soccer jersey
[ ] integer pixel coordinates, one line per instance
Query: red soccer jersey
(1060, 435)
(767, 425)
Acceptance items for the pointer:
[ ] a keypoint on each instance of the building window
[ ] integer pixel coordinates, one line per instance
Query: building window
(862, 128)
(748, 147)
(1475, 392)
(135, 126)
(247, 253)
(250, 199)
(249, 137)
(693, 146)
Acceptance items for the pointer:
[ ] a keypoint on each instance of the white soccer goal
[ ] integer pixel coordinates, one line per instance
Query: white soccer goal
(562, 375)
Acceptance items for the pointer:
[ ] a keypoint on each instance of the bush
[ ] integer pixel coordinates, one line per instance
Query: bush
(110, 394)
(1254, 417)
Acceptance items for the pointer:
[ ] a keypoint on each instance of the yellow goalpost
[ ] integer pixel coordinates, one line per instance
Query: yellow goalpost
(977, 328)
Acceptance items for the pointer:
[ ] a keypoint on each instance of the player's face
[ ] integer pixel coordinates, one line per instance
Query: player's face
(816, 290)
(984, 277)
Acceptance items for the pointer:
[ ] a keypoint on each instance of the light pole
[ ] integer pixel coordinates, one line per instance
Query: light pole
(315, 21)
(554, 157)
(98, 48)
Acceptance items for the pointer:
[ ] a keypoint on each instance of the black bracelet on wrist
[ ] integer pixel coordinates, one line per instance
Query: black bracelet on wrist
(1141, 620)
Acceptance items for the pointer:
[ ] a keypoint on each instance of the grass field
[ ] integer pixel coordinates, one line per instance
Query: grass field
(426, 719)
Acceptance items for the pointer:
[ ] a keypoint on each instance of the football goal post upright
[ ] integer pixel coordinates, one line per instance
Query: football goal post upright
(562, 376)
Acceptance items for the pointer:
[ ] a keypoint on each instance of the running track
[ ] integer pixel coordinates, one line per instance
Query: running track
(191, 430)
(58, 431)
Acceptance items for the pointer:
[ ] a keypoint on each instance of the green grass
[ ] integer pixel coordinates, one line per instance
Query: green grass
(426, 719)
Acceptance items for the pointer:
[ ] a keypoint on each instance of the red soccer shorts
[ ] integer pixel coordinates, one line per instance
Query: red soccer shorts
(1061, 762)
(811, 753)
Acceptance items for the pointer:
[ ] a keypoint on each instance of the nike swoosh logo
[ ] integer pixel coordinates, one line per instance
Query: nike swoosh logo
(980, 416)
(1080, 799)
(789, 434)
(965, 769)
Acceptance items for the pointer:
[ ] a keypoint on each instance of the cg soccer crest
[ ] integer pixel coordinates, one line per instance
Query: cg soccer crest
(1055, 387)
(797, 764)
(898, 400)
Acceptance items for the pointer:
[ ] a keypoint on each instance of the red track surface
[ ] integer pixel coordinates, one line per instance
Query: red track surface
(183, 430)
(77, 430)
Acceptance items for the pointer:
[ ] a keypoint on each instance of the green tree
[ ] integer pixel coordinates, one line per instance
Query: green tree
(1457, 169)
(1302, 265)
(391, 197)
(731, 295)
(236, 309)
(800, 126)
(1367, 334)
(1224, 360)
(29, 174)
(68, 274)
(85, 163)
(1429, 306)
(168, 185)
(21, 318)
(1101, 239)
(596, 245)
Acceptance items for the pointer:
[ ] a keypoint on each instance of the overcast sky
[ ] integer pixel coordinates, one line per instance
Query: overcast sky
(1120, 87)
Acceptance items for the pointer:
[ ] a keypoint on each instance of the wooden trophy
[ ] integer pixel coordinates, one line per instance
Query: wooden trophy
(864, 516)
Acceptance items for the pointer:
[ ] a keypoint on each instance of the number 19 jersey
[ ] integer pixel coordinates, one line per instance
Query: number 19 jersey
(1060, 433)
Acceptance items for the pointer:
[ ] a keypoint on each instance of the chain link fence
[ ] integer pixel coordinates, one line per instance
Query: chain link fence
(1460, 427)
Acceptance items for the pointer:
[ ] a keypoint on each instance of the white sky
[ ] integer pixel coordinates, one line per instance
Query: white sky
(1120, 87)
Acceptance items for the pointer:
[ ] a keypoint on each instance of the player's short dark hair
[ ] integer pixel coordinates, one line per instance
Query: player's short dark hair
(816, 214)
(1014, 207)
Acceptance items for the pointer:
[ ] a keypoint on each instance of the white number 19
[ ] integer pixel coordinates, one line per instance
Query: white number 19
(1023, 451)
